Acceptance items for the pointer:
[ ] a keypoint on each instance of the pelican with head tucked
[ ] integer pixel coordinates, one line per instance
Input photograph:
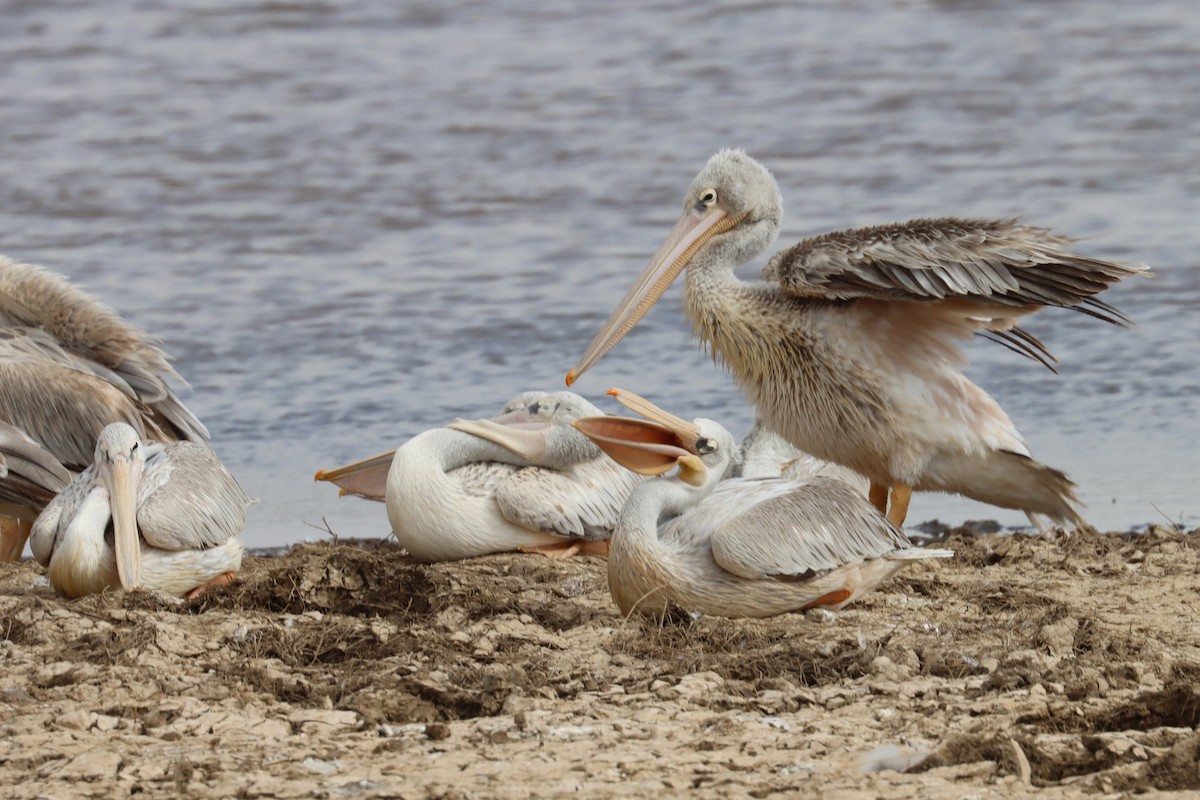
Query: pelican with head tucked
(162, 516)
(741, 547)
(524, 480)
(69, 366)
(850, 346)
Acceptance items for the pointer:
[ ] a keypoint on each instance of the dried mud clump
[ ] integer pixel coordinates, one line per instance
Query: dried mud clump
(330, 579)
(1024, 662)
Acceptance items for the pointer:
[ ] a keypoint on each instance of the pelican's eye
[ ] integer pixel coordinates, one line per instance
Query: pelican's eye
(704, 446)
(135, 447)
(708, 199)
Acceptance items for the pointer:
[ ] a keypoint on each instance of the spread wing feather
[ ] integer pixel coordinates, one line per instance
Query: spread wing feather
(992, 261)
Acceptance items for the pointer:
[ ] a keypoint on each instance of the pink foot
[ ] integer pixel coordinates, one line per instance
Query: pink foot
(224, 579)
(569, 548)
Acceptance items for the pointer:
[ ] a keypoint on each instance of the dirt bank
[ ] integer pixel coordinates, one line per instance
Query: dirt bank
(343, 671)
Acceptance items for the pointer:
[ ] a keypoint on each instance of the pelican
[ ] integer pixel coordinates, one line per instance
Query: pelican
(742, 547)
(186, 506)
(766, 454)
(368, 478)
(849, 347)
(69, 366)
(525, 480)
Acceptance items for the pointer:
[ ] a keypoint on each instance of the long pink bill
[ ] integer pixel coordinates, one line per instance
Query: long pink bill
(646, 448)
(687, 432)
(525, 439)
(693, 229)
(122, 494)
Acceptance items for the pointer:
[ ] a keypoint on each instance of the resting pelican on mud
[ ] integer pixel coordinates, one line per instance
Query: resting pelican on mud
(525, 480)
(186, 506)
(850, 346)
(69, 366)
(742, 547)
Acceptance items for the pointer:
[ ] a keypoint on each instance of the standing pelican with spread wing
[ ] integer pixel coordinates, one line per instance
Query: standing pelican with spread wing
(742, 547)
(850, 347)
(69, 365)
(173, 510)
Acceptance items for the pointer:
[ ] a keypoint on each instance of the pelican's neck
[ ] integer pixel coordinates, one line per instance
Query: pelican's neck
(650, 502)
(455, 449)
(83, 562)
(711, 284)
(734, 317)
(642, 568)
(711, 287)
(424, 460)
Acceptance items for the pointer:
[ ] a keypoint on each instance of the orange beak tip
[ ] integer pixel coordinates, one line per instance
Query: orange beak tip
(571, 377)
(614, 392)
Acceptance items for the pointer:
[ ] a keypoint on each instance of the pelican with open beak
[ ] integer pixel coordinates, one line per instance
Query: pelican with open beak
(696, 542)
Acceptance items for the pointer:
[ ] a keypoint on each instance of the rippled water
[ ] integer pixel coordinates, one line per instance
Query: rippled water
(351, 222)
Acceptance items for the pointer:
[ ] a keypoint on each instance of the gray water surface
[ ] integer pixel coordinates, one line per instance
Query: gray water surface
(351, 222)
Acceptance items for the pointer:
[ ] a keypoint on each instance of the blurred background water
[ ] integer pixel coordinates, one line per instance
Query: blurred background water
(350, 222)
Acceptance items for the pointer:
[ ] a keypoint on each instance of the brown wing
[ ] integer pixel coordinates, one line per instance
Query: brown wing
(60, 402)
(29, 474)
(996, 262)
(34, 299)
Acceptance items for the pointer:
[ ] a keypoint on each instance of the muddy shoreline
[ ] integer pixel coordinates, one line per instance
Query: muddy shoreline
(1068, 664)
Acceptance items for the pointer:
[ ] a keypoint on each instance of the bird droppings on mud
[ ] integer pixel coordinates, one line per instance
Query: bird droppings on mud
(496, 675)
